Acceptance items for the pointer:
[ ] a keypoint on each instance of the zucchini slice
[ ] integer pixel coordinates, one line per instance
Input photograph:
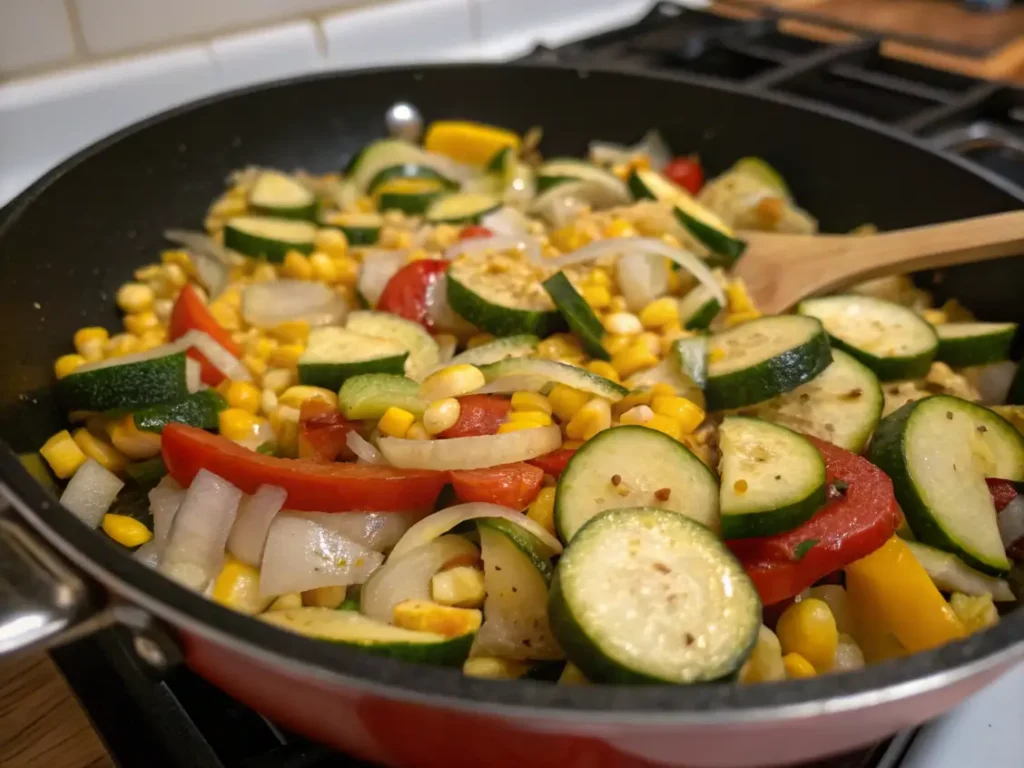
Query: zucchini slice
(369, 395)
(578, 314)
(691, 355)
(698, 308)
(651, 185)
(892, 340)
(334, 354)
(763, 358)
(965, 344)
(561, 170)
(199, 410)
(125, 383)
(408, 171)
(505, 304)
(772, 478)
(280, 195)
(263, 237)
(938, 452)
(645, 595)
(842, 404)
(408, 195)
(951, 574)
(358, 631)
(705, 225)
(424, 354)
(462, 208)
(523, 345)
(629, 466)
(390, 153)
(359, 228)
(537, 375)
(516, 574)
(760, 169)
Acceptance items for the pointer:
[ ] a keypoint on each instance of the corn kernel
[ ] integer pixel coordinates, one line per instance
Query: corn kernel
(530, 401)
(633, 358)
(135, 297)
(67, 364)
(562, 347)
(323, 267)
(324, 597)
(566, 401)
(597, 296)
(592, 418)
(716, 355)
(348, 271)
(659, 313)
(237, 586)
(100, 450)
(236, 424)
(427, 616)
(689, 415)
(935, 316)
(226, 316)
(738, 298)
(808, 628)
(257, 365)
(285, 423)
(244, 395)
(765, 662)
(294, 397)
(741, 317)
(395, 422)
(121, 344)
(665, 425)
(286, 602)
(126, 531)
(135, 443)
(638, 414)
(740, 486)
(569, 238)
(260, 346)
(331, 241)
(536, 418)
(181, 259)
(797, 667)
(89, 339)
(286, 355)
(976, 613)
(461, 587)
(614, 343)
(141, 322)
(651, 340)
(417, 432)
(63, 454)
(441, 415)
(268, 401)
(619, 228)
(618, 304)
(453, 381)
(517, 426)
(542, 510)
(605, 369)
(599, 276)
(175, 275)
(622, 323)
(494, 668)
(152, 339)
(479, 338)
(835, 597)
(297, 266)
(277, 380)
(571, 675)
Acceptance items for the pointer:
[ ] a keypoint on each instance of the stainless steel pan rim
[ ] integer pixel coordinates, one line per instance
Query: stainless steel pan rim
(101, 560)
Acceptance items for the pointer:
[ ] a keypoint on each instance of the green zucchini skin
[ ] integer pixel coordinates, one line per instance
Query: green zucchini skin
(501, 321)
(201, 410)
(125, 387)
(578, 314)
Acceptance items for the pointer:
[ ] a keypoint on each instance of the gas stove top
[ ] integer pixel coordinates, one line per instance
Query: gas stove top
(183, 721)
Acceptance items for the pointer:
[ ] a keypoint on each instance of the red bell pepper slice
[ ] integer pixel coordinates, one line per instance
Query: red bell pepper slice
(470, 231)
(406, 293)
(311, 487)
(1003, 492)
(510, 485)
(860, 516)
(323, 433)
(685, 172)
(479, 415)
(554, 463)
(190, 314)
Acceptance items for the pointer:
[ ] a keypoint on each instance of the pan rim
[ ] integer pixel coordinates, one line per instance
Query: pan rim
(355, 670)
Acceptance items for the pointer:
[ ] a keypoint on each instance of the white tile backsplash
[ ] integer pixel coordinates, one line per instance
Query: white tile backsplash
(110, 26)
(403, 32)
(32, 33)
(267, 54)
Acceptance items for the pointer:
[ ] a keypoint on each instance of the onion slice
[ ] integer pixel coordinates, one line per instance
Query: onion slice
(363, 448)
(408, 577)
(218, 357)
(643, 277)
(164, 500)
(652, 146)
(269, 304)
(1011, 527)
(201, 243)
(992, 381)
(432, 526)
(255, 514)
(301, 554)
(644, 245)
(441, 314)
(507, 221)
(193, 375)
(91, 491)
(470, 452)
(951, 574)
(379, 266)
(379, 531)
(195, 545)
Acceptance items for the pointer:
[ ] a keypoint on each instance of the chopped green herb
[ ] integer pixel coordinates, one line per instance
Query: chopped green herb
(349, 605)
(269, 449)
(801, 550)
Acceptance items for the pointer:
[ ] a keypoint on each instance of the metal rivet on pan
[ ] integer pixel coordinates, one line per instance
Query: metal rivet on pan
(404, 121)
(149, 651)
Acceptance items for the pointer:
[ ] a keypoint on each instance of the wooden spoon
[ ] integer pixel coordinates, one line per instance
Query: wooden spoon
(780, 270)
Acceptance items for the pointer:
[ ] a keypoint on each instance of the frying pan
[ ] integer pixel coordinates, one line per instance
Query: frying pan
(71, 239)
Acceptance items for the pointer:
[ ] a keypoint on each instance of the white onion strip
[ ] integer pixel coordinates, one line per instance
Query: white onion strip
(90, 492)
(164, 500)
(1011, 523)
(255, 514)
(408, 577)
(432, 526)
(470, 452)
(219, 358)
(647, 245)
(379, 531)
(480, 246)
(363, 449)
(268, 304)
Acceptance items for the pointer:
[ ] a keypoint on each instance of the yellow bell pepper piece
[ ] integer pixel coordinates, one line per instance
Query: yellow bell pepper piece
(471, 143)
(890, 589)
